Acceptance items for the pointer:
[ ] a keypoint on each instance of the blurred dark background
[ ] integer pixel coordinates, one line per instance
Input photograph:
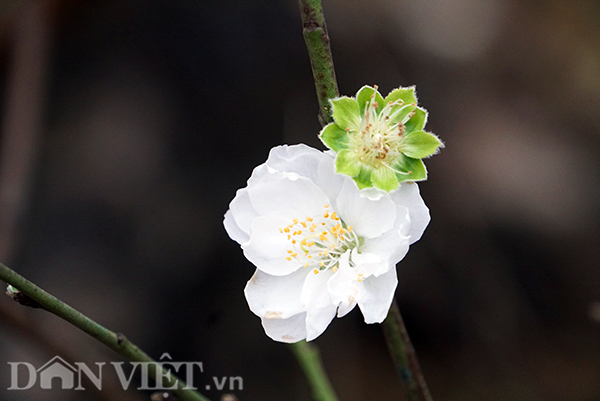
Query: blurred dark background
(127, 127)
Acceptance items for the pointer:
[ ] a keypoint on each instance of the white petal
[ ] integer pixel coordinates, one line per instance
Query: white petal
(407, 195)
(275, 297)
(344, 286)
(390, 247)
(287, 195)
(373, 193)
(376, 296)
(259, 173)
(314, 292)
(232, 228)
(317, 321)
(300, 159)
(368, 218)
(239, 217)
(268, 248)
(368, 264)
(317, 166)
(315, 297)
(290, 330)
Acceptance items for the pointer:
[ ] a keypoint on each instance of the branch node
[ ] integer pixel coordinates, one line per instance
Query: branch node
(21, 298)
(121, 339)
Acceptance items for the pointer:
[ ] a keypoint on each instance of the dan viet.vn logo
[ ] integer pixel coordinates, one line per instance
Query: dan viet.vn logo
(60, 374)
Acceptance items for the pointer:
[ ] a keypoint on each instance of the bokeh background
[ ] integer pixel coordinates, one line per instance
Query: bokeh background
(127, 126)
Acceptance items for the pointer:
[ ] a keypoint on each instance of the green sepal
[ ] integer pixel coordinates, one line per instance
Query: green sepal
(346, 112)
(334, 137)
(364, 95)
(407, 95)
(420, 144)
(417, 122)
(401, 113)
(363, 179)
(384, 178)
(412, 169)
(347, 163)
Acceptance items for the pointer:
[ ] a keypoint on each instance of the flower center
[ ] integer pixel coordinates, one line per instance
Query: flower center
(377, 142)
(318, 241)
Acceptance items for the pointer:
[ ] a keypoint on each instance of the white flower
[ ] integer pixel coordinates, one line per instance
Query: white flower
(320, 246)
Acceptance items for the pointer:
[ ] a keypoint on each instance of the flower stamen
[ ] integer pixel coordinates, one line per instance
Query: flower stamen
(320, 249)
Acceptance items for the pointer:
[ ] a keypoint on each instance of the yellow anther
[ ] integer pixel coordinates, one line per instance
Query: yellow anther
(287, 230)
(316, 271)
(293, 241)
(334, 216)
(281, 230)
(326, 214)
(288, 258)
(309, 256)
(332, 247)
(303, 242)
(335, 269)
(326, 205)
(360, 278)
(321, 264)
(295, 221)
(290, 251)
(303, 224)
(294, 254)
(309, 219)
(289, 236)
(349, 228)
(326, 252)
(306, 264)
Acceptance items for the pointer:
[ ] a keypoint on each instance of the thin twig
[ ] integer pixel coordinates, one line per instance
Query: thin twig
(404, 356)
(116, 342)
(309, 357)
(319, 51)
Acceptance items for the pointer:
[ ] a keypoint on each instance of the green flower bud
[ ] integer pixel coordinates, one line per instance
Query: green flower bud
(380, 142)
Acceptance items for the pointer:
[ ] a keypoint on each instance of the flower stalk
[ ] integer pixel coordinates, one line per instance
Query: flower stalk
(317, 42)
(309, 357)
(404, 356)
(115, 341)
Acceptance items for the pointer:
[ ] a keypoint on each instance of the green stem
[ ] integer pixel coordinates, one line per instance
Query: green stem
(319, 51)
(404, 356)
(310, 361)
(114, 341)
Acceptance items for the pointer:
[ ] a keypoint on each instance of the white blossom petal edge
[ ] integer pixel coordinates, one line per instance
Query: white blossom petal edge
(320, 248)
